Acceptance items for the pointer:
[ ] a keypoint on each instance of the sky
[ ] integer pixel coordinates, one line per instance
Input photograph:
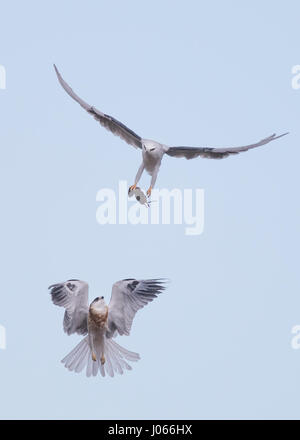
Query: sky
(217, 343)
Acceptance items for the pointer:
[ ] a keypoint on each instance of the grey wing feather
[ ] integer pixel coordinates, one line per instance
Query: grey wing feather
(128, 296)
(216, 153)
(73, 296)
(113, 125)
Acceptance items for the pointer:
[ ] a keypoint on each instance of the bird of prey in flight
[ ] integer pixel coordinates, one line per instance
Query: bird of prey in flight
(100, 323)
(139, 195)
(152, 151)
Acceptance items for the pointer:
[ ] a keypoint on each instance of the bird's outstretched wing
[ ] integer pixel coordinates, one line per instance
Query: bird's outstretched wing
(216, 153)
(107, 121)
(128, 296)
(73, 296)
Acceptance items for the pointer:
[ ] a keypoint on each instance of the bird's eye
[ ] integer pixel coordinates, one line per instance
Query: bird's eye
(102, 297)
(152, 149)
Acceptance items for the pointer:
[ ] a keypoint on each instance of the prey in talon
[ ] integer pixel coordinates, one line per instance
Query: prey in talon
(139, 195)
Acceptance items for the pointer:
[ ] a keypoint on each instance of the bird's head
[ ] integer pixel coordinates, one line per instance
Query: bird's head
(98, 303)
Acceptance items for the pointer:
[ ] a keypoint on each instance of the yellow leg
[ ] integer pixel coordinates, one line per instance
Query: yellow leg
(149, 191)
(102, 360)
(94, 357)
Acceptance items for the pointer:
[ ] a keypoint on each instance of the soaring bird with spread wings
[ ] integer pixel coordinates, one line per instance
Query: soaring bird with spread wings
(101, 323)
(152, 151)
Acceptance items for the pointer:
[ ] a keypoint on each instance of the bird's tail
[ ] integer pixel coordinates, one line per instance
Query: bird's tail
(111, 360)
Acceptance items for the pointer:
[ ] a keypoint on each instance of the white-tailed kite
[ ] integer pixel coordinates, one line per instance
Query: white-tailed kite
(101, 323)
(152, 151)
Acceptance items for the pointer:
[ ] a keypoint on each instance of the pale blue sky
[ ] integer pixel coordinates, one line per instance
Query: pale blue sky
(217, 344)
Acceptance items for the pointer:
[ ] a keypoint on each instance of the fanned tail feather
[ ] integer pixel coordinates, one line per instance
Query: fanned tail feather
(116, 358)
